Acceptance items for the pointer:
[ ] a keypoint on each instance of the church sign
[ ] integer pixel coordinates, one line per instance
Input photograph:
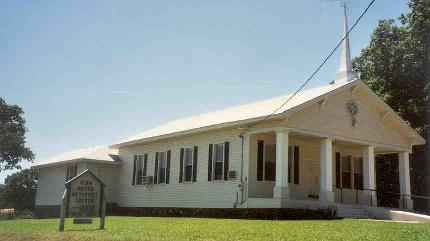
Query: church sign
(83, 199)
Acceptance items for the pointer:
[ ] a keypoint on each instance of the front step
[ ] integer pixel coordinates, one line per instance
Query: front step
(351, 211)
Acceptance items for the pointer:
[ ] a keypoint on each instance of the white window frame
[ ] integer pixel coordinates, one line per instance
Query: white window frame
(75, 167)
(214, 162)
(159, 167)
(184, 164)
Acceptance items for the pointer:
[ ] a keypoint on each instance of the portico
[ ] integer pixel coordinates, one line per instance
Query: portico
(316, 170)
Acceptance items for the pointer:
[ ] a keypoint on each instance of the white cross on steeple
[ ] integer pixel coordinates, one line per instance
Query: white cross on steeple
(345, 72)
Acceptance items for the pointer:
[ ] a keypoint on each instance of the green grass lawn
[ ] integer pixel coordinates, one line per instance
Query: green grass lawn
(154, 228)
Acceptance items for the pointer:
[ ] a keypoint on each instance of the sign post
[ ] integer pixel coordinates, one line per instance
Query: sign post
(83, 199)
(63, 210)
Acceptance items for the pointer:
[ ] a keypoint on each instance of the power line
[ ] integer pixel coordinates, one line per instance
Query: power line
(313, 74)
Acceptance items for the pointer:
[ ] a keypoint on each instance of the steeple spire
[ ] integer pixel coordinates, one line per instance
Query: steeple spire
(345, 72)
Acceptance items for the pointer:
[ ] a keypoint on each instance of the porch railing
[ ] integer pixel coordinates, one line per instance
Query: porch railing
(423, 208)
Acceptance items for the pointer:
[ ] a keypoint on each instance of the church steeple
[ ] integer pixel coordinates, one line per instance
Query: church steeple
(345, 72)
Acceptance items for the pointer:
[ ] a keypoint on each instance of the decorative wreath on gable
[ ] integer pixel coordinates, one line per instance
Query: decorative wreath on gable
(352, 109)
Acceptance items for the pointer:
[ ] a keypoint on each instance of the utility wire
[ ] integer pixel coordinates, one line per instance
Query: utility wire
(313, 74)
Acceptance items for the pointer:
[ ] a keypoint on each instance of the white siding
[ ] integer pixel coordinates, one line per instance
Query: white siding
(52, 180)
(109, 176)
(214, 194)
(50, 187)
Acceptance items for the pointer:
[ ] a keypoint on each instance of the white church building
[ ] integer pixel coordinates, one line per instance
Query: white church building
(317, 150)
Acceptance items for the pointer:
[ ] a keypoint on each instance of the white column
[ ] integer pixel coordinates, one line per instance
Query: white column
(369, 197)
(405, 183)
(326, 189)
(281, 183)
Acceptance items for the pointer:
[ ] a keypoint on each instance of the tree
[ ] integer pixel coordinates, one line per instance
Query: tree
(396, 66)
(20, 189)
(3, 203)
(12, 137)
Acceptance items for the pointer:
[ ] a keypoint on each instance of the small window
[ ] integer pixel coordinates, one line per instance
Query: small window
(218, 157)
(162, 162)
(71, 172)
(188, 164)
(269, 162)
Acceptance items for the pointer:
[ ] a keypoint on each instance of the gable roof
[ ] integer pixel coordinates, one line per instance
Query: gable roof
(252, 112)
(234, 115)
(419, 140)
(103, 154)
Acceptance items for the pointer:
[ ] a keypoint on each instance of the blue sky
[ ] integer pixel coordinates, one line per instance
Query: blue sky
(96, 72)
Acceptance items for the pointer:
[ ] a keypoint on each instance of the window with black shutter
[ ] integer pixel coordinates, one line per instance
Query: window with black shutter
(210, 162)
(156, 168)
(346, 171)
(139, 169)
(145, 165)
(188, 164)
(260, 160)
(349, 171)
(195, 155)
(168, 154)
(296, 164)
(270, 162)
(293, 164)
(181, 165)
(338, 184)
(133, 181)
(218, 163)
(266, 161)
(358, 173)
(162, 173)
(226, 159)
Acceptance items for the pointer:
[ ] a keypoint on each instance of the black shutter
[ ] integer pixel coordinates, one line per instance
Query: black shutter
(156, 168)
(337, 169)
(168, 166)
(296, 164)
(145, 161)
(195, 163)
(260, 160)
(181, 165)
(226, 154)
(134, 171)
(210, 162)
